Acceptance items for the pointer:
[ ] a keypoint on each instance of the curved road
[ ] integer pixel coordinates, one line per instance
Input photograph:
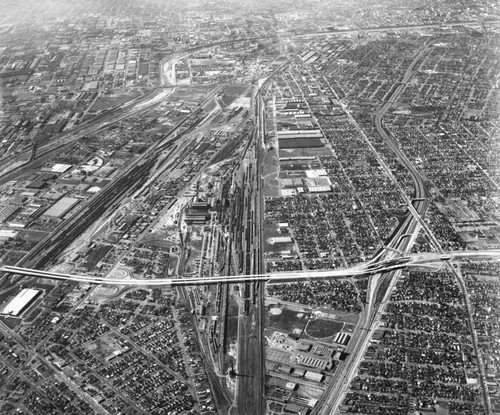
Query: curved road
(366, 268)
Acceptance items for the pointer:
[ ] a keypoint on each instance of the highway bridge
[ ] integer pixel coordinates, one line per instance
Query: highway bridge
(366, 268)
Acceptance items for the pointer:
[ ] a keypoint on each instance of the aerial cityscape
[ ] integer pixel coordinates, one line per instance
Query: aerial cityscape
(250, 207)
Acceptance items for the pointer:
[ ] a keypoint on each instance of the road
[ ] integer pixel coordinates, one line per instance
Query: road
(418, 212)
(380, 283)
(30, 158)
(13, 165)
(384, 267)
(393, 28)
(367, 268)
(45, 152)
(122, 187)
(34, 351)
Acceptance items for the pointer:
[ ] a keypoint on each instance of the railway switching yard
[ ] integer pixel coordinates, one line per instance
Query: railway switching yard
(228, 210)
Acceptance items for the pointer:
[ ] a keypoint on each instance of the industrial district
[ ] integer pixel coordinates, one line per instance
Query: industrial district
(250, 207)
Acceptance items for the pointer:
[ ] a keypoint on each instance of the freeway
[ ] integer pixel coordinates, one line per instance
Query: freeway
(382, 281)
(419, 213)
(367, 268)
(13, 165)
(381, 284)
(123, 186)
(385, 266)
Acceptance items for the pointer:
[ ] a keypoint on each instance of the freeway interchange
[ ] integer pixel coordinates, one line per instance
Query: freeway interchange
(383, 269)
(433, 260)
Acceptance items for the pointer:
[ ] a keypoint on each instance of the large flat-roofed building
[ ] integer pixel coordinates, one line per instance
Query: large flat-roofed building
(7, 235)
(21, 301)
(342, 338)
(60, 168)
(302, 142)
(8, 211)
(314, 376)
(291, 134)
(314, 362)
(61, 207)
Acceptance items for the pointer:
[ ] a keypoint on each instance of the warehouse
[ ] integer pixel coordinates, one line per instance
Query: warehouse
(7, 235)
(61, 207)
(280, 240)
(314, 362)
(299, 143)
(295, 134)
(21, 301)
(7, 212)
(319, 189)
(60, 168)
(342, 338)
(314, 376)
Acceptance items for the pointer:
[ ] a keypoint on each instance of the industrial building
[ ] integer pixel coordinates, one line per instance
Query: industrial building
(7, 235)
(314, 376)
(198, 213)
(342, 338)
(21, 301)
(8, 211)
(61, 207)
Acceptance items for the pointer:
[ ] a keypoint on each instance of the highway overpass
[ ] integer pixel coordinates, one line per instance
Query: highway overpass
(366, 268)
